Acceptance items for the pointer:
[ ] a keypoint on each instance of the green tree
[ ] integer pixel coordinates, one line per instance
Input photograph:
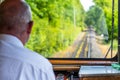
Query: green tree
(106, 5)
(95, 17)
(53, 28)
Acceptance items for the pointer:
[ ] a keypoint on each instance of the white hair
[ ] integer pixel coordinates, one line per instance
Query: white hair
(14, 14)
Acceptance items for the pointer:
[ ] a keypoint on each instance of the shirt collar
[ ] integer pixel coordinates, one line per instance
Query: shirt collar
(11, 39)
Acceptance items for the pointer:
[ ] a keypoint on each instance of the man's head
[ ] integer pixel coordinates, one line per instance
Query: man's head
(15, 19)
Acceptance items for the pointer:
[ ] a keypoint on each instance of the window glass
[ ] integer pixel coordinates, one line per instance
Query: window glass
(74, 28)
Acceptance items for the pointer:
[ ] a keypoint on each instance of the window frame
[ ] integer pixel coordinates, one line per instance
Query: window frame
(77, 62)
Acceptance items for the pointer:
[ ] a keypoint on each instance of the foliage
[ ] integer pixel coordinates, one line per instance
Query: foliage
(56, 24)
(106, 5)
(95, 17)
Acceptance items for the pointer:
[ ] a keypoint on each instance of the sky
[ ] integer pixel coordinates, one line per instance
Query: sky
(86, 4)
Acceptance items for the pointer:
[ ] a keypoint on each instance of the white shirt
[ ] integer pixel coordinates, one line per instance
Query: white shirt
(19, 63)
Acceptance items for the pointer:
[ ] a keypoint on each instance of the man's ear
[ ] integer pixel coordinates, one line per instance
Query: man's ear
(30, 24)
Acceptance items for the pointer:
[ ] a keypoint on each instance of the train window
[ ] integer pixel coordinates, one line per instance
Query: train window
(74, 28)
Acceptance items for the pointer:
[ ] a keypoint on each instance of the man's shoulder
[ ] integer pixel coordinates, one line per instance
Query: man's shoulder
(35, 58)
(24, 55)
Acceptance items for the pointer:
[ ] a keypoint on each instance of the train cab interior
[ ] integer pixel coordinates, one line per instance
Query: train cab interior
(85, 66)
(81, 43)
(81, 38)
(92, 68)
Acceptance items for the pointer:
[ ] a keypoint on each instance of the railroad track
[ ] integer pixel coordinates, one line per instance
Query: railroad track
(81, 48)
(87, 46)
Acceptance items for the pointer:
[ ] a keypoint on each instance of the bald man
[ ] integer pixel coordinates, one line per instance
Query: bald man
(17, 62)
